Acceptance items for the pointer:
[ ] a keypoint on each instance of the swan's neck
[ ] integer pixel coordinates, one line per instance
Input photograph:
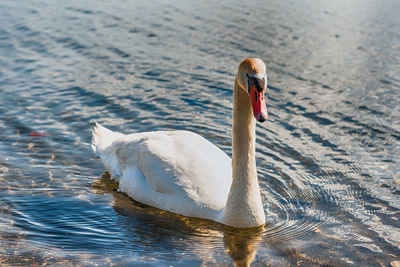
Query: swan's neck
(244, 207)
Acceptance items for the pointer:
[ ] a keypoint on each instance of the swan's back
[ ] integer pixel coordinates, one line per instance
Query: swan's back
(179, 171)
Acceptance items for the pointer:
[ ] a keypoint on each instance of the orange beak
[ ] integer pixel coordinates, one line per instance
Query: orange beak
(258, 104)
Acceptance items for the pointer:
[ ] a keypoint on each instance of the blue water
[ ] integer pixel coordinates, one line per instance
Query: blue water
(328, 157)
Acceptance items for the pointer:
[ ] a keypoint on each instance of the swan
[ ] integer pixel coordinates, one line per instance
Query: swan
(183, 173)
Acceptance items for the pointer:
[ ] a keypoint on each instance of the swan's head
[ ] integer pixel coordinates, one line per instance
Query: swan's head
(252, 78)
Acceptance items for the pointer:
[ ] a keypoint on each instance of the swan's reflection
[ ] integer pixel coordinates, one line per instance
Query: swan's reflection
(242, 244)
(151, 231)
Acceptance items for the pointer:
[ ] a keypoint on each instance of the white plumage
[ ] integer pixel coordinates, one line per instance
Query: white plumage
(178, 171)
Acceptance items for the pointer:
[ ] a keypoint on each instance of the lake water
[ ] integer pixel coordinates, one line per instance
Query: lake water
(328, 157)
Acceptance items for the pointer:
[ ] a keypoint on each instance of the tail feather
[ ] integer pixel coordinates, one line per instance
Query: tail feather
(102, 140)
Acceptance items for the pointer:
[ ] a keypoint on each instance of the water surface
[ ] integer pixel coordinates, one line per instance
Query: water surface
(328, 157)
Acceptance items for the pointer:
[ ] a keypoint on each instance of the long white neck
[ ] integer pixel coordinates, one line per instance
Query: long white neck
(244, 207)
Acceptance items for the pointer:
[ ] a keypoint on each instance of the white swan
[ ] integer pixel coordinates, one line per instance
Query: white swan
(181, 172)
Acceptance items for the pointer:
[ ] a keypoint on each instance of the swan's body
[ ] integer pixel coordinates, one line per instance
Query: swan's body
(166, 170)
(182, 172)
